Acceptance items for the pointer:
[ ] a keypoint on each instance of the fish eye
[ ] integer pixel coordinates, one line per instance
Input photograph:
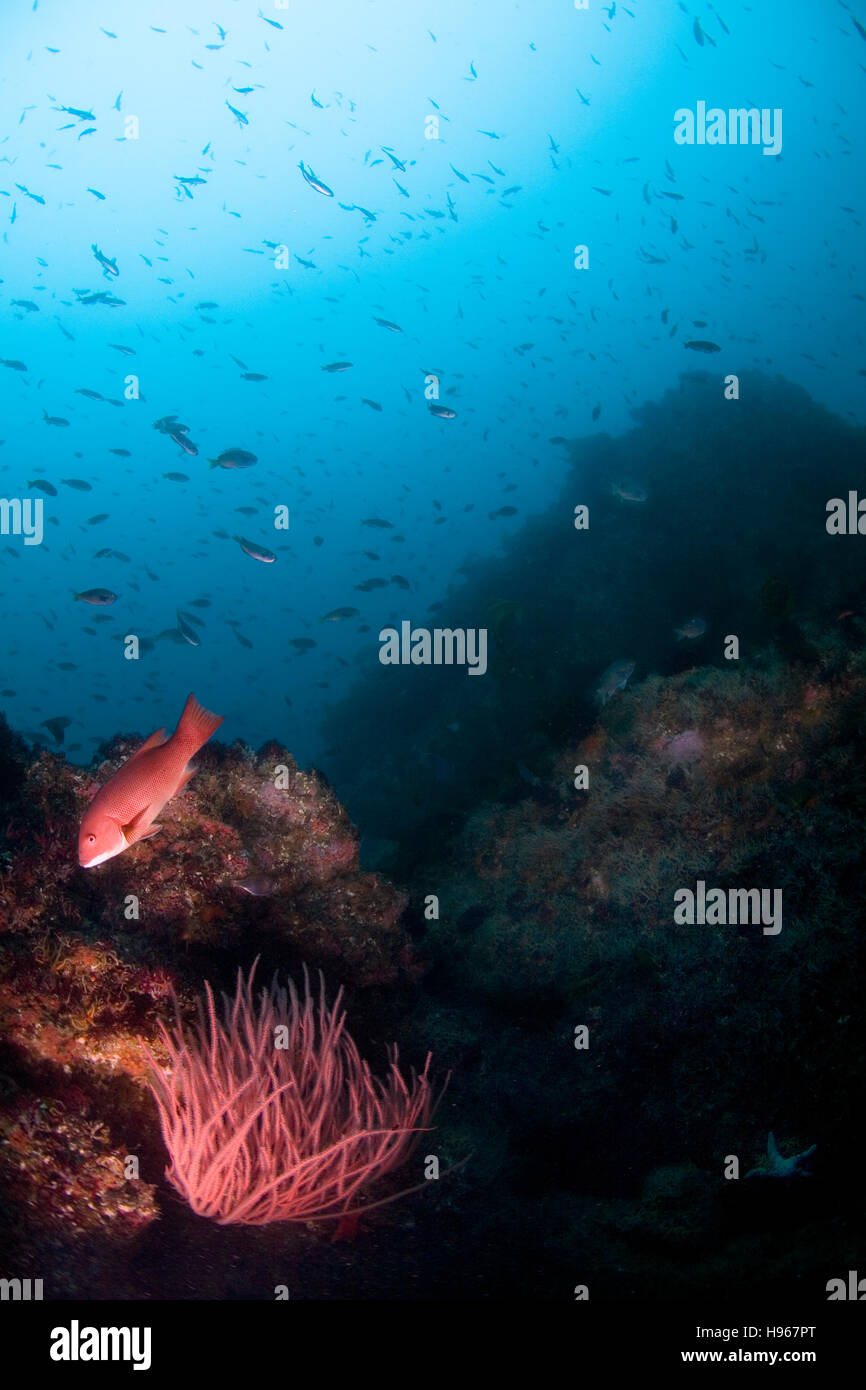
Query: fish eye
(92, 839)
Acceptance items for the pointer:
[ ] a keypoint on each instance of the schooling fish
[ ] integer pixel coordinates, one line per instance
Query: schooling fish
(75, 111)
(170, 425)
(179, 436)
(100, 597)
(691, 629)
(616, 677)
(109, 266)
(234, 458)
(56, 726)
(255, 552)
(314, 182)
(238, 115)
(125, 808)
(337, 615)
(187, 633)
(629, 492)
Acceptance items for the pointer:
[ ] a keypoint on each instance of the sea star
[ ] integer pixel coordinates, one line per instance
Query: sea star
(776, 1166)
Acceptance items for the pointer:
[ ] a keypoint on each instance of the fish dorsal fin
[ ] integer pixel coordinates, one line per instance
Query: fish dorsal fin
(155, 741)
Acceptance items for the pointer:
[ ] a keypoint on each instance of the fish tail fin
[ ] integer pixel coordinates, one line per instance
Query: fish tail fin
(213, 463)
(196, 724)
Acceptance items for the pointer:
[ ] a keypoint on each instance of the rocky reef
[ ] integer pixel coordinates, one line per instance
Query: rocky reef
(739, 769)
(616, 1069)
(557, 914)
(600, 1161)
(255, 858)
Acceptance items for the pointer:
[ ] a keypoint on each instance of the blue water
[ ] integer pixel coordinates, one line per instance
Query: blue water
(764, 250)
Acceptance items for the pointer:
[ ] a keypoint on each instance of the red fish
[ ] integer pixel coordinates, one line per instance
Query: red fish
(125, 808)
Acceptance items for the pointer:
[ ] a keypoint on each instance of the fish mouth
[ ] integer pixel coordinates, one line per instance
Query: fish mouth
(97, 859)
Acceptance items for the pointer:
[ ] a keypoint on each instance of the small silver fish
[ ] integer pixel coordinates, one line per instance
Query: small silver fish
(187, 633)
(629, 492)
(314, 182)
(256, 552)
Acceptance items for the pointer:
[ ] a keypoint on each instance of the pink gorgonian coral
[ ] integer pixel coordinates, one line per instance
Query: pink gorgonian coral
(270, 1114)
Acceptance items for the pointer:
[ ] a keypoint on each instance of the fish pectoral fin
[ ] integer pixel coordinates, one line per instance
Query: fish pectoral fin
(139, 828)
(188, 772)
(155, 741)
(149, 833)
